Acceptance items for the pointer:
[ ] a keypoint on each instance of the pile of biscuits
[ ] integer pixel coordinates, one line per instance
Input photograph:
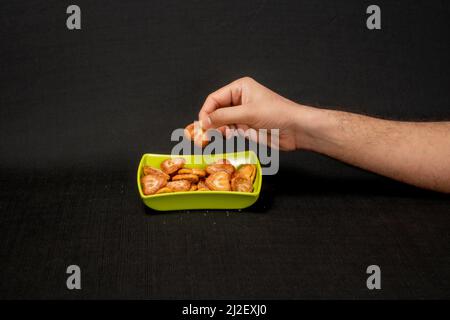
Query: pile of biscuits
(219, 176)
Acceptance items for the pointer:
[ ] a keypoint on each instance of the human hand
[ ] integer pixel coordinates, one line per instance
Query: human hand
(246, 104)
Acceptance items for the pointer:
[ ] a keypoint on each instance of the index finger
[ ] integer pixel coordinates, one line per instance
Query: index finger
(229, 95)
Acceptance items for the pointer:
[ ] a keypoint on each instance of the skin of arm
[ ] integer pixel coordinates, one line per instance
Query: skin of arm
(417, 153)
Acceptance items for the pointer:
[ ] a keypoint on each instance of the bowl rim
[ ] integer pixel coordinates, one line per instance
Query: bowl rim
(254, 193)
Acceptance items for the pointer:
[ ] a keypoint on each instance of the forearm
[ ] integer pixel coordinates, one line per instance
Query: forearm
(413, 152)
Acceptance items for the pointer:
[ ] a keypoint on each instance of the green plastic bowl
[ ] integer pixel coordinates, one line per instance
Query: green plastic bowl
(201, 199)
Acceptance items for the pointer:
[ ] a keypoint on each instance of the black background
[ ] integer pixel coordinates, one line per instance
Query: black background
(78, 108)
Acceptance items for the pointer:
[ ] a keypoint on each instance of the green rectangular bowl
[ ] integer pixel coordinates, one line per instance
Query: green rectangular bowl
(201, 199)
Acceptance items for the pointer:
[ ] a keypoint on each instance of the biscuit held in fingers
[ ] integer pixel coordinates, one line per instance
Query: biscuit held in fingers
(170, 166)
(152, 183)
(179, 185)
(241, 184)
(219, 181)
(189, 177)
(195, 133)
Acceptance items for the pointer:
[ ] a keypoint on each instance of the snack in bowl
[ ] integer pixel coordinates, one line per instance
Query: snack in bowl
(170, 166)
(217, 167)
(147, 170)
(197, 172)
(218, 176)
(151, 183)
(175, 195)
(201, 186)
(179, 185)
(219, 181)
(241, 184)
(189, 177)
(164, 190)
(247, 171)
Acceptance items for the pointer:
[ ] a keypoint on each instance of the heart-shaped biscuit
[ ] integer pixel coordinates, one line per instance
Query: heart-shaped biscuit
(213, 168)
(219, 181)
(170, 166)
(241, 184)
(152, 183)
(195, 133)
(247, 171)
(179, 185)
(149, 170)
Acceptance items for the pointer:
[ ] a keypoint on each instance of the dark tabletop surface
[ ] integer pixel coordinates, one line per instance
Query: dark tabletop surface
(79, 108)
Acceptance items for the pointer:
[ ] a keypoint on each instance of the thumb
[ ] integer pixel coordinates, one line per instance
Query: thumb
(229, 115)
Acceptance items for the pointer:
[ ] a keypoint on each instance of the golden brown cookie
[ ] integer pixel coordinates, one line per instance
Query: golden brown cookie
(195, 133)
(213, 168)
(241, 184)
(149, 170)
(247, 171)
(152, 183)
(184, 171)
(193, 187)
(170, 166)
(164, 190)
(197, 172)
(179, 185)
(189, 177)
(201, 186)
(219, 181)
